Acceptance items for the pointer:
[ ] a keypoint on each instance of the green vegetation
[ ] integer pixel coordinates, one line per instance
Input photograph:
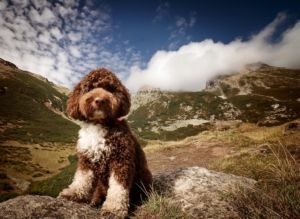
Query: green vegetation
(175, 106)
(54, 185)
(18, 160)
(261, 107)
(24, 116)
(228, 90)
(6, 188)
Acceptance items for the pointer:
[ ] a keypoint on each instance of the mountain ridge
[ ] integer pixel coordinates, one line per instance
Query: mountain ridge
(35, 136)
(260, 94)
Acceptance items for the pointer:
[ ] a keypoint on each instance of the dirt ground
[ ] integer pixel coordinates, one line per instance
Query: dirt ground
(195, 153)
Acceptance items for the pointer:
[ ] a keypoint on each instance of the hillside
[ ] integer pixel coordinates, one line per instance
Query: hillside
(237, 126)
(31, 108)
(35, 136)
(260, 94)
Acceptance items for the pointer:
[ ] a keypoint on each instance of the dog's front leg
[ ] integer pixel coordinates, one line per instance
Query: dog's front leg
(117, 199)
(81, 188)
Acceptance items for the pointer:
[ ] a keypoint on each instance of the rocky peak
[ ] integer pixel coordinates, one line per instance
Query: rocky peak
(213, 82)
(256, 66)
(7, 63)
(147, 90)
(144, 95)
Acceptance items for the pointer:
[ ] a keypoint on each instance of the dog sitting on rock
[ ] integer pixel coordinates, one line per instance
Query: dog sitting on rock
(112, 167)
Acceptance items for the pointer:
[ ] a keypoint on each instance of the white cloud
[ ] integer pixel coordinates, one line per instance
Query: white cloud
(44, 38)
(181, 26)
(108, 39)
(60, 41)
(162, 11)
(20, 3)
(48, 17)
(3, 4)
(75, 51)
(192, 65)
(74, 36)
(56, 33)
(173, 45)
(180, 22)
(193, 18)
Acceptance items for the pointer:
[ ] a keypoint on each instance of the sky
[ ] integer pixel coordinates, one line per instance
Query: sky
(172, 45)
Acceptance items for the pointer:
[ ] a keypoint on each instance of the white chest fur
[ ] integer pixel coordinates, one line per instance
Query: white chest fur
(91, 141)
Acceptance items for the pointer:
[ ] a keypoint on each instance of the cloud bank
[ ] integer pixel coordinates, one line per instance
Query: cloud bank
(192, 65)
(62, 40)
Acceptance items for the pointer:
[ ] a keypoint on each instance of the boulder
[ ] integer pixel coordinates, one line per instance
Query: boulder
(199, 191)
(30, 206)
(196, 190)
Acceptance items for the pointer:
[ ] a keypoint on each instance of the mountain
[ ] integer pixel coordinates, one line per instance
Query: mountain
(32, 109)
(36, 137)
(260, 94)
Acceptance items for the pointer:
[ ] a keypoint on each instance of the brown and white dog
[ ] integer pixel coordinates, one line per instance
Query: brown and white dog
(112, 166)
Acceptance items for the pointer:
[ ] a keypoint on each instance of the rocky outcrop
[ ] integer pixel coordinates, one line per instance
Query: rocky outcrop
(144, 95)
(196, 190)
(29, 206)
(7, 63)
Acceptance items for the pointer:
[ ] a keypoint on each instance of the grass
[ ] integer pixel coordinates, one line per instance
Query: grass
(277, 194)
(159, 207)
(178, 134)
(6, 188)
(24, 116)
(265, 155)
(54, 185)
(175, 106)
(274, 162)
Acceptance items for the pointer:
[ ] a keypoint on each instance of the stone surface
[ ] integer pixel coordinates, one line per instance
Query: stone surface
(197, 190)
(29, 206)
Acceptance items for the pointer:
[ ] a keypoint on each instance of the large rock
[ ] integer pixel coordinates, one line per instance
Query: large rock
(199, 191)
(196, 190)
(28, 206)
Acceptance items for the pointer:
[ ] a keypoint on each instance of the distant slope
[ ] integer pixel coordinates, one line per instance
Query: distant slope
(260, 94)
(31, 109)
(176, 115)
(265, 95)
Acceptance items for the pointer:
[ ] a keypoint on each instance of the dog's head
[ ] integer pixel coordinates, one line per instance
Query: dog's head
(99, 95)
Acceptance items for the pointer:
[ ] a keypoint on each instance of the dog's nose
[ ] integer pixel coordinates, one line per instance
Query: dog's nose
(99, 100)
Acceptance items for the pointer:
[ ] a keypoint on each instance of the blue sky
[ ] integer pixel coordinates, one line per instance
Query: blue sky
(173, 45)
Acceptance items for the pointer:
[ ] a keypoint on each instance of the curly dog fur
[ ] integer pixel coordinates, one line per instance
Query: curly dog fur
(112, 166)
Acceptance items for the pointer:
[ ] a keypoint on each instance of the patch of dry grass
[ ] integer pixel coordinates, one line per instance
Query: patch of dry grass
(158, 207)
(277, 194)
(273, 160)
(34, 161)
(155, 146)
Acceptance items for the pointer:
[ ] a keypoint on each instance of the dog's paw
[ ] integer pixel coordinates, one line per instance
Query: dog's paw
(67, 194)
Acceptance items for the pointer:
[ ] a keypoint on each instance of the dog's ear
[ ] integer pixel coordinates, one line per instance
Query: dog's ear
(123, 102)
(73, 103)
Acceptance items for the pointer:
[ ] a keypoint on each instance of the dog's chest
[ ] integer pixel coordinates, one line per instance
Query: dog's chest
(92, 143)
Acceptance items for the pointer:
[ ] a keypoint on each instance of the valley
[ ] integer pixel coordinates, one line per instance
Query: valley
(236, 125)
